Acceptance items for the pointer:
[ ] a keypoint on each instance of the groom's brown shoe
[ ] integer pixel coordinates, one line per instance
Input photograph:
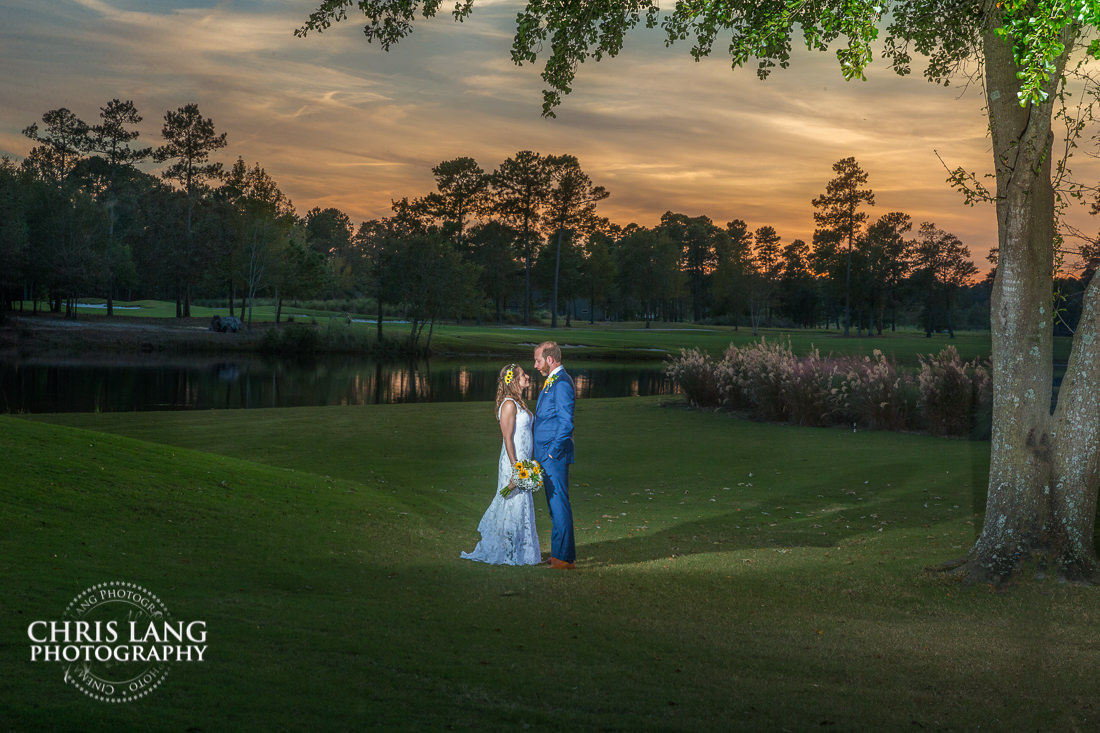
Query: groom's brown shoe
(561, 564)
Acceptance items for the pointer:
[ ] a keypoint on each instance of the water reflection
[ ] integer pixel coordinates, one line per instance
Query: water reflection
(99, 385)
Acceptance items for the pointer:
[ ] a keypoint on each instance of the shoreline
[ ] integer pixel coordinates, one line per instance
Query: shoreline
(48, 333)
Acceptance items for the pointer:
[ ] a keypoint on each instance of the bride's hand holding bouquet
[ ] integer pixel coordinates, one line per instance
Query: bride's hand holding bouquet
(526, 476)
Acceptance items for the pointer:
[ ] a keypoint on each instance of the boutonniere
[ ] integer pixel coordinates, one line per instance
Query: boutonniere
(550, 382)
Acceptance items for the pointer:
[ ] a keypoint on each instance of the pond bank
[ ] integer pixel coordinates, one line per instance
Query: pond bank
(48, 333)
(25, 335)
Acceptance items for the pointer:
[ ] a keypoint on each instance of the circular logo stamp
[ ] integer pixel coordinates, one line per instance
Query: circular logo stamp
(109, 679)
(117, 641)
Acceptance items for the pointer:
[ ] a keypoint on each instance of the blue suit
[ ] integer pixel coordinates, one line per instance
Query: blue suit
(553, 434)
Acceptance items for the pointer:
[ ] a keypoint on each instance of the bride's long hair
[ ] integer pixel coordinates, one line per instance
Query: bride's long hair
(508, 386)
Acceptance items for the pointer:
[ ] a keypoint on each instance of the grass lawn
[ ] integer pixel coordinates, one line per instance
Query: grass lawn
(634, 341)
(619, 341)
(732, 576)
(167, 309)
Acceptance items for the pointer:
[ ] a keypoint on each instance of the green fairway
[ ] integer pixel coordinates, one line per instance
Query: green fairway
(732, 576)
(607, 340)
(167, 309)
(634, 341)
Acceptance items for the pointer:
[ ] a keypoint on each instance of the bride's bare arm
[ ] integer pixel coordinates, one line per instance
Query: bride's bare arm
(508, 428)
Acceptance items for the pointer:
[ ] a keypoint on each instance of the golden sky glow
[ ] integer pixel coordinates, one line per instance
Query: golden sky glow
(338, 122)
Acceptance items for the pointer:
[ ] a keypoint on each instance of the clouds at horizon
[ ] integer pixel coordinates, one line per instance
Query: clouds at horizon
(338, 122)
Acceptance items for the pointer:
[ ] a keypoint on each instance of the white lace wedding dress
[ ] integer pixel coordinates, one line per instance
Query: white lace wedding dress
(507, 528)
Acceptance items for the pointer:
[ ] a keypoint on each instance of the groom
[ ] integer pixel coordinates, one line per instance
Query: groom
(553, 431)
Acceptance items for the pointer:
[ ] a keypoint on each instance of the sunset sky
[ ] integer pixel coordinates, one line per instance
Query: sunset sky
(338, 122)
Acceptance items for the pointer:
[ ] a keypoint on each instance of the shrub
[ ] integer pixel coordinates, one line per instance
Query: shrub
(728, 378)
(948, 397)
(815, 396)
(773, 384)
(694, 374)
(756, 378)
(876, 396)
(293, 338)
(347, 339)
(952, 392)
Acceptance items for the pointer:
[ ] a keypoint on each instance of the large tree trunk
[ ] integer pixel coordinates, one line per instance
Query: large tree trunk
(1076, 432)
(1036, 510)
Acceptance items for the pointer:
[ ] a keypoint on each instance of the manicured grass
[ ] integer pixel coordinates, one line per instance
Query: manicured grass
(733, 576)
(618, 340)
(634, 341)
(167, 309)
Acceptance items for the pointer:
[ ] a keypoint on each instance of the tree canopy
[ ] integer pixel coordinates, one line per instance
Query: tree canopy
(947, 33)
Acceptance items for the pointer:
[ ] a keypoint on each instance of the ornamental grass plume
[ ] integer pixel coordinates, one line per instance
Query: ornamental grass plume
(813, 398)
(952, 392)
(694, 374)
(754, 379)
(877, 396)
(762, 374)
(729, 377)
(772, 384)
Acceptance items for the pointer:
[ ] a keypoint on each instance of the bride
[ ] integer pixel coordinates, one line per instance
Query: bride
(507, 528)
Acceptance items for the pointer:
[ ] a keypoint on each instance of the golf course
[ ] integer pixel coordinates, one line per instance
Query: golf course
(732, 575)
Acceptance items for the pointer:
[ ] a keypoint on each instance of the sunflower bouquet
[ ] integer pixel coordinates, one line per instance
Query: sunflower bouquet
(526, 475)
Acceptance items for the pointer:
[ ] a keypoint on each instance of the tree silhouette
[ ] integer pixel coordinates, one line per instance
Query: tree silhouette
(263, 222)
(14, 237)
(840, 214)
(943, 264)
(888, 255)
(797, 286)
(520, 187)
(571, 207)
(462, 192)
(61, 145)
(699, 240)
(110, 141)
(189, 141)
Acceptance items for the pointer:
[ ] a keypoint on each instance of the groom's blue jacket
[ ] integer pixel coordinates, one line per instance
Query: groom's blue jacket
(553, 428)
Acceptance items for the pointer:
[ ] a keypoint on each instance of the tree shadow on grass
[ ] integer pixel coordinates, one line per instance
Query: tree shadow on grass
(755, 528)
(723, 533)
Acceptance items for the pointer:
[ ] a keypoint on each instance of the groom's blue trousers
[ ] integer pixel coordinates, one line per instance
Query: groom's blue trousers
(562, 545)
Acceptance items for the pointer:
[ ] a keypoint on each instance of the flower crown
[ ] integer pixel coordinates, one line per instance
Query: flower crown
(510, 374)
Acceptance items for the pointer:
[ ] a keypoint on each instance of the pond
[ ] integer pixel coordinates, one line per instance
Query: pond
(112, 384)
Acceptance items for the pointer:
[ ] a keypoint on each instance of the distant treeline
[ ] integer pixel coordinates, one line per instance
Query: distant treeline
(79, 218)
